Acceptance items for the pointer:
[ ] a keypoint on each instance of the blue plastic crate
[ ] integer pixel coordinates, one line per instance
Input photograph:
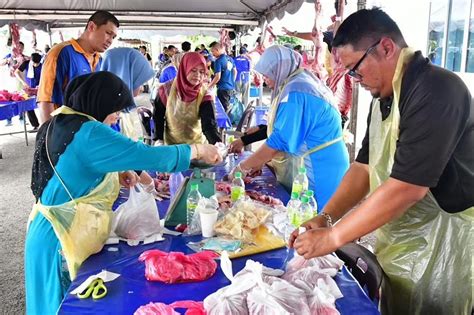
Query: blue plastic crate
(261, 115)
(254, 91)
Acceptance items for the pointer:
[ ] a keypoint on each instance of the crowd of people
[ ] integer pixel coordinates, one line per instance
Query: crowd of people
(412, 180)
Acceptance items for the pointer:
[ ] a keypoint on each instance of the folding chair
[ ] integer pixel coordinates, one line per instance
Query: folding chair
(364, 267)
(243, 124)
(246, 119)
(146, 117)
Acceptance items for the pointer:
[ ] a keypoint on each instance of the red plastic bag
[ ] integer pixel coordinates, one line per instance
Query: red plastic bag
(193, 308)
(177, 267)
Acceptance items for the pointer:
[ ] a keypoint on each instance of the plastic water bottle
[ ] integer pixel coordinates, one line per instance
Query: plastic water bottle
(192, 203)
(312, 201)
(293, 210)
(306, 212)
(238, 187)
(300, 182)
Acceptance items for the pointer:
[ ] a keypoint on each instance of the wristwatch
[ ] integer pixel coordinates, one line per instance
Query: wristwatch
(327, 217)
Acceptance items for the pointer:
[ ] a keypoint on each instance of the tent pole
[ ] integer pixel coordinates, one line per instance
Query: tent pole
(48, 29)
(355, 104)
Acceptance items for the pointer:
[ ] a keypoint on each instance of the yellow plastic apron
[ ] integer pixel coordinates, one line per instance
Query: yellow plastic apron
(183, 124)
(286, 166)
(426, 253)
(82, 225)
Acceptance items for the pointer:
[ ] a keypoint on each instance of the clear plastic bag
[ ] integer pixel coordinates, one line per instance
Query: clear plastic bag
(138, 217)
(176, 267)
(314, 277)
(242, 220)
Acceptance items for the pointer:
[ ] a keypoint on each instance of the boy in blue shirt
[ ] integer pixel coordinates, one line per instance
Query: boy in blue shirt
(29, 73)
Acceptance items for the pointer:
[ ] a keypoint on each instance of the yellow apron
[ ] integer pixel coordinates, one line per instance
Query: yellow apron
(426, 253)
(286, 166)
(82, 225)
(183, 124)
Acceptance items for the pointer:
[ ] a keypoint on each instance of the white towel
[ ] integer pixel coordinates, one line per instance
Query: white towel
(31, 71)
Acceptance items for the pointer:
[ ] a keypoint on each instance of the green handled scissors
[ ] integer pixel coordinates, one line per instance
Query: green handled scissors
(96, 288)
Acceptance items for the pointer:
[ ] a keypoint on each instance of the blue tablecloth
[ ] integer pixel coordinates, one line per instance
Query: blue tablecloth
(131, 289)
(14, 108)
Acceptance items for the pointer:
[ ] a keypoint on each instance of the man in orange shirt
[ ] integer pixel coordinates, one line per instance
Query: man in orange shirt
(73, 58)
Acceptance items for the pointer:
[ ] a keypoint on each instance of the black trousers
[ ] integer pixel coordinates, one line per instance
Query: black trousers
(224, 96)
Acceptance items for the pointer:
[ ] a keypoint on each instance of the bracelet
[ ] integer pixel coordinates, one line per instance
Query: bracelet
(198, 156)
(327, 217)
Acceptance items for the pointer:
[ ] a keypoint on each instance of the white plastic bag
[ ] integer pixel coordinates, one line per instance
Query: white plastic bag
(314, 277)
(274, 295)
(138, 217)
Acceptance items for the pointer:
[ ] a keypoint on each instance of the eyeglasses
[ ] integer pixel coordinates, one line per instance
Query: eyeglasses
(353, 72)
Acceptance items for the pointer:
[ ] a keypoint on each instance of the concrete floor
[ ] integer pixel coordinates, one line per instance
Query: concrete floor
(16, 200)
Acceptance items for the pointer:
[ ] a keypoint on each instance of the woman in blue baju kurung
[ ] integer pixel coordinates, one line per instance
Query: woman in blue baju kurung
(304, 126)
(75, 182)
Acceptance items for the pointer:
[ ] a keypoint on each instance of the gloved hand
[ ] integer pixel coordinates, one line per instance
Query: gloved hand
(222, 149)
(207, 153)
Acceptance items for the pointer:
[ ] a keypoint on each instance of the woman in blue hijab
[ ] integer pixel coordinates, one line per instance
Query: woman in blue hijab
(130, 66)
(304, 126)
(135, 70)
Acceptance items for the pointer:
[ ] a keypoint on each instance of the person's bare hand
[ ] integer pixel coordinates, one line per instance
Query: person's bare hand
(128, 179)
(286, 31)
(316, 242)
(314, 223)
(236, 146)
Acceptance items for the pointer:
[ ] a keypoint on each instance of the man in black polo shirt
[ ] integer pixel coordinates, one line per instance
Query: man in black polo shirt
(417, 167)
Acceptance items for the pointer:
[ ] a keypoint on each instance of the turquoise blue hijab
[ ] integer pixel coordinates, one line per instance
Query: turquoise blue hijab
(129, 65)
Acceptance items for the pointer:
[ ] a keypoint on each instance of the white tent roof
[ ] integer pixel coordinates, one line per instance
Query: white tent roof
(146, 14)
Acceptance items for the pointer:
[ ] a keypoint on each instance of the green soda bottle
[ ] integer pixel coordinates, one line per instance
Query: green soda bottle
(300, 182)
(305, 212)
(238, 187)
(293, 210)
(192, 203)
(312, 202)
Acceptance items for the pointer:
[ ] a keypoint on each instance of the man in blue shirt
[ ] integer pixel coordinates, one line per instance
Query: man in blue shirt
(29, 73)
(242, 82)
(225, 74)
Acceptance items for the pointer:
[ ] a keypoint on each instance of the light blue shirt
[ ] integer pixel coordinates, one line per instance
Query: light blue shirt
(304, 122)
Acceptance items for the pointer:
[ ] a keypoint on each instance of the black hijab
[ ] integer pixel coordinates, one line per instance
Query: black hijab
(98, 95)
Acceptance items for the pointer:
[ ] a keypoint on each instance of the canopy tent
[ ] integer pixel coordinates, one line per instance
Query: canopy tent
(145, 14)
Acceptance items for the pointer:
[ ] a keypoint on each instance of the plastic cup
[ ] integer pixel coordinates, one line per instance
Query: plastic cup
(208, 219)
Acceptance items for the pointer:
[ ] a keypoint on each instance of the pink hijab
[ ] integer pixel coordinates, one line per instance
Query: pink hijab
(185, 90)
